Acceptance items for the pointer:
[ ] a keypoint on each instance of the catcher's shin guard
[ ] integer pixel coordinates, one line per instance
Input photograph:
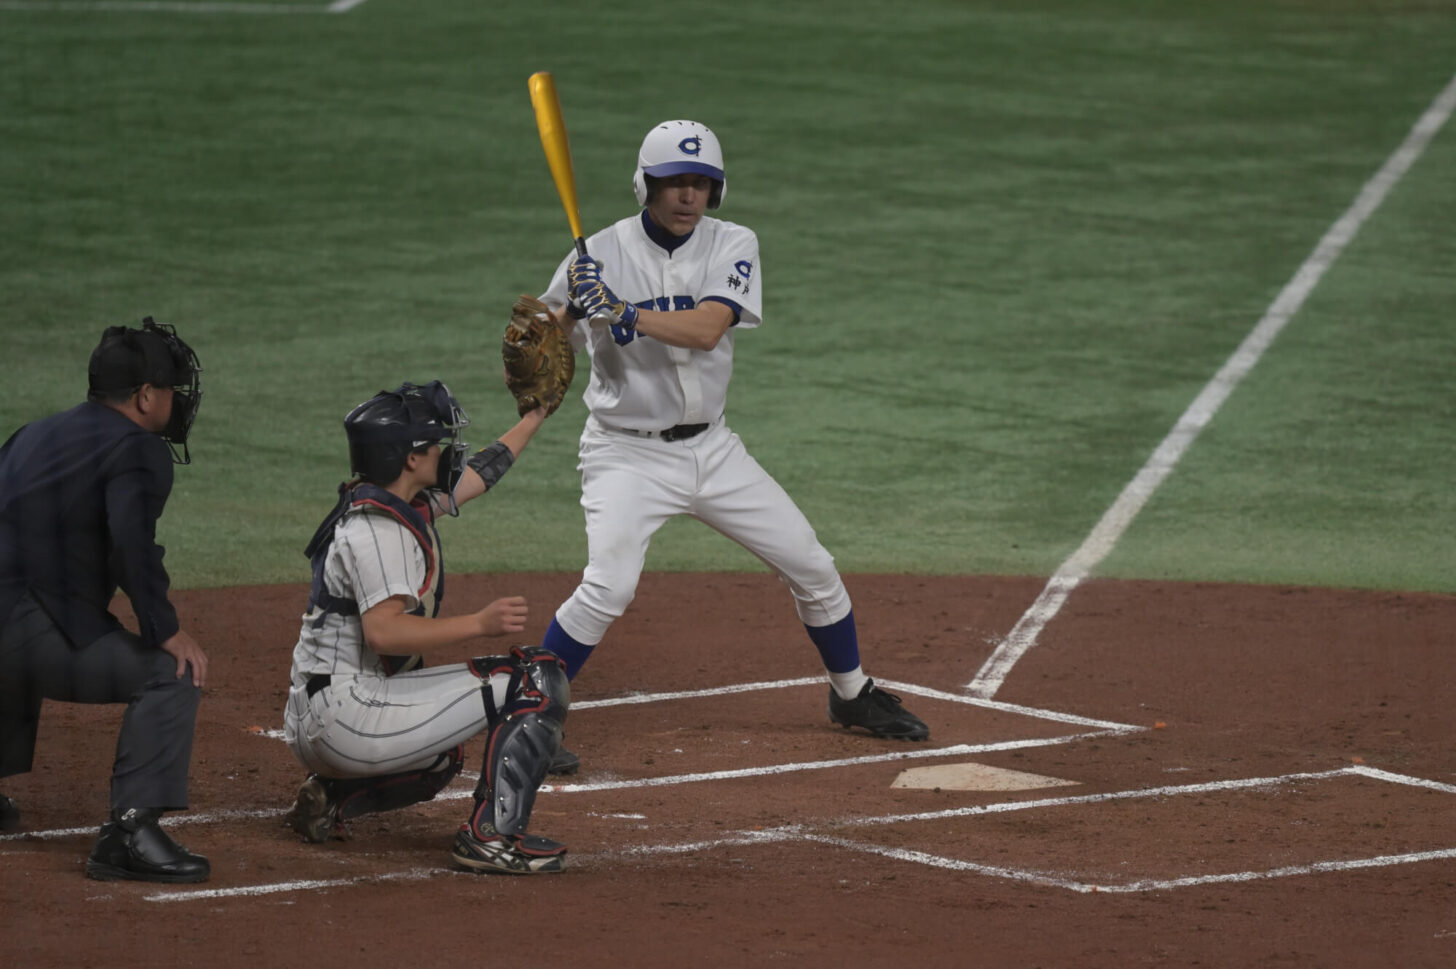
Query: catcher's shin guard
(523, 738)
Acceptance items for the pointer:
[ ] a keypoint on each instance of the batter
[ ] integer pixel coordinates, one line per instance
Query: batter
(658, 305)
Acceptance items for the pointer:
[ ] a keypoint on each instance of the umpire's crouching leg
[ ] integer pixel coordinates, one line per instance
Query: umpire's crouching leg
(154, 747)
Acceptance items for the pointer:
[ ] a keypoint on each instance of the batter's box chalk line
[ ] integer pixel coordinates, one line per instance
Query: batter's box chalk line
(799, 832)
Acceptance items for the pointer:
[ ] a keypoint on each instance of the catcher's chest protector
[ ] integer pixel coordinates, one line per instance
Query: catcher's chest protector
(363, 499)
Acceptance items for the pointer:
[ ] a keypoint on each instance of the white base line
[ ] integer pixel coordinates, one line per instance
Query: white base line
(1146, 885)
(893, 685)
(798, 832)
(174, 6)
(917, 753)
(459, 793)
(414, 874)
(1117, 518)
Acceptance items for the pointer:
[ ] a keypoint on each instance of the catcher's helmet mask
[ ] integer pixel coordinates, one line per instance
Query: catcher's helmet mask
(678, 148)
(387, 427)
(127, 357)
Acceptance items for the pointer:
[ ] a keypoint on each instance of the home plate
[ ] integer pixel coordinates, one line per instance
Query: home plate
(974, 777)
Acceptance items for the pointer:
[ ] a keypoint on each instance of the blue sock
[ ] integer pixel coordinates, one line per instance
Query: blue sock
(572, 653)
(838, 645)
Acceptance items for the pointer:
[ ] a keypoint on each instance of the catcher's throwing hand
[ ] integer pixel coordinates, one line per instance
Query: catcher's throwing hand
(539, 360)
(503, 616)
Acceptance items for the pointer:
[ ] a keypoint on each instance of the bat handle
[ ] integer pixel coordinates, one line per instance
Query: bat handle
(600, 317)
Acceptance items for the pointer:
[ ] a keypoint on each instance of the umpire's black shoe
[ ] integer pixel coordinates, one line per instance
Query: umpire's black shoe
(878, 712)
(134, 847)
(9, 814)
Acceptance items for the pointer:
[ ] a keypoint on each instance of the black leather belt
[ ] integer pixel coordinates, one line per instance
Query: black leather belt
(317, 682)
(679, 432)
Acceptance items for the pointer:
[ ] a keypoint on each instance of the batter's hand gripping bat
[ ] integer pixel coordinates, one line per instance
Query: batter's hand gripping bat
(552, 128)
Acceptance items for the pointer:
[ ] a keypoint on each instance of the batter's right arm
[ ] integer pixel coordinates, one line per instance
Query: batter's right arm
(699, 328)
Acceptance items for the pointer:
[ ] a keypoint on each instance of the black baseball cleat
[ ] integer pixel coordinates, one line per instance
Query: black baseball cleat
(507, 854)
(315, 815)
(564, 762)
(878, 712)
(133, 847)
(9, 814)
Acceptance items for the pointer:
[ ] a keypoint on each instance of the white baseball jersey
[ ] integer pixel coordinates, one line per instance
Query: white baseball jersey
(630, 484)
(648, 385)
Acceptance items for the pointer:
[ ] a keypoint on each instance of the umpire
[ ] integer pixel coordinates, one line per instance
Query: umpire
(80, 495)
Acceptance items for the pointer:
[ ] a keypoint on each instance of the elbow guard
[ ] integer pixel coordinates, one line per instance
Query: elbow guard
(491, 463)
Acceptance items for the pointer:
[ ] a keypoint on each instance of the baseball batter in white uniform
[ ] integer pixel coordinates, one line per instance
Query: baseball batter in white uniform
(378, 728)
(658, 305)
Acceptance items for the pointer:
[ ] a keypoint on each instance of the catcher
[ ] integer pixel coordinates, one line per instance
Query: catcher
(376, 726)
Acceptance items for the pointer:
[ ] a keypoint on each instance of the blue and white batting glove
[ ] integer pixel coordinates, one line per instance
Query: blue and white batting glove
(584, 270)
(598, 301)
(624, 333)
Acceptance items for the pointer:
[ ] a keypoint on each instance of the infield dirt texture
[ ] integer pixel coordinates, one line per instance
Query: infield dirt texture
(1107, 346)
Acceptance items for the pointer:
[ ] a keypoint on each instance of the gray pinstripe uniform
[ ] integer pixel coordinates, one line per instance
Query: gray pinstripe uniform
(365, 722)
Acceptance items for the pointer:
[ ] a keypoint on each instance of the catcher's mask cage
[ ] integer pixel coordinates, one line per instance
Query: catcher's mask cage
(678, 148)
(387, 427)
(127, 358)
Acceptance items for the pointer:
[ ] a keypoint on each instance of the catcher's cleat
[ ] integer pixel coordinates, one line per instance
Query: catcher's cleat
(878, 712)
(508, 854)
(9, 814)
(564, 762)
(314, 815)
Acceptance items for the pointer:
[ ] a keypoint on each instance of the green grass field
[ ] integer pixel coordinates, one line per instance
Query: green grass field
(1006, 244)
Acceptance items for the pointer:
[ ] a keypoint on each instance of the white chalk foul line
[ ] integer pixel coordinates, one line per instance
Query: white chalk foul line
(1381, 775)
(175, 6)
(1135, 495)
(414, 874)
(169, 821)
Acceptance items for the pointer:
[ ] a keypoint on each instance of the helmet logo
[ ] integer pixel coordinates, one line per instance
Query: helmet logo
(690, 146)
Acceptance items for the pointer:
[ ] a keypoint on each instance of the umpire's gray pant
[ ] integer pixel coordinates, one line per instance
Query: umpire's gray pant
(154, 747)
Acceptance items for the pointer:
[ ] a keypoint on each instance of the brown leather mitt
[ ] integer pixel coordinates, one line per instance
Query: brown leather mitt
(538, 357)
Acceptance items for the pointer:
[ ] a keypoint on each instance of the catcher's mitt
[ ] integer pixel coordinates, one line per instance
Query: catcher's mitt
(538, 357)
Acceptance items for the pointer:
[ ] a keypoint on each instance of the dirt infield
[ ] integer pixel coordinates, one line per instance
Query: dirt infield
(1258, 776)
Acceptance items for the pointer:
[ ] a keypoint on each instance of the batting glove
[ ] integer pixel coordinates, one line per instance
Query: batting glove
(596, 299)
(584, 270)
(623, 333)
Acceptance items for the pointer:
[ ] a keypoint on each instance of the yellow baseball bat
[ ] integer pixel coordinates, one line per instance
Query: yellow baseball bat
(552, 127)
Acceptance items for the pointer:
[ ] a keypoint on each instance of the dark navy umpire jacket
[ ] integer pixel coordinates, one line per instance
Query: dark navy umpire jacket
(80, 495)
